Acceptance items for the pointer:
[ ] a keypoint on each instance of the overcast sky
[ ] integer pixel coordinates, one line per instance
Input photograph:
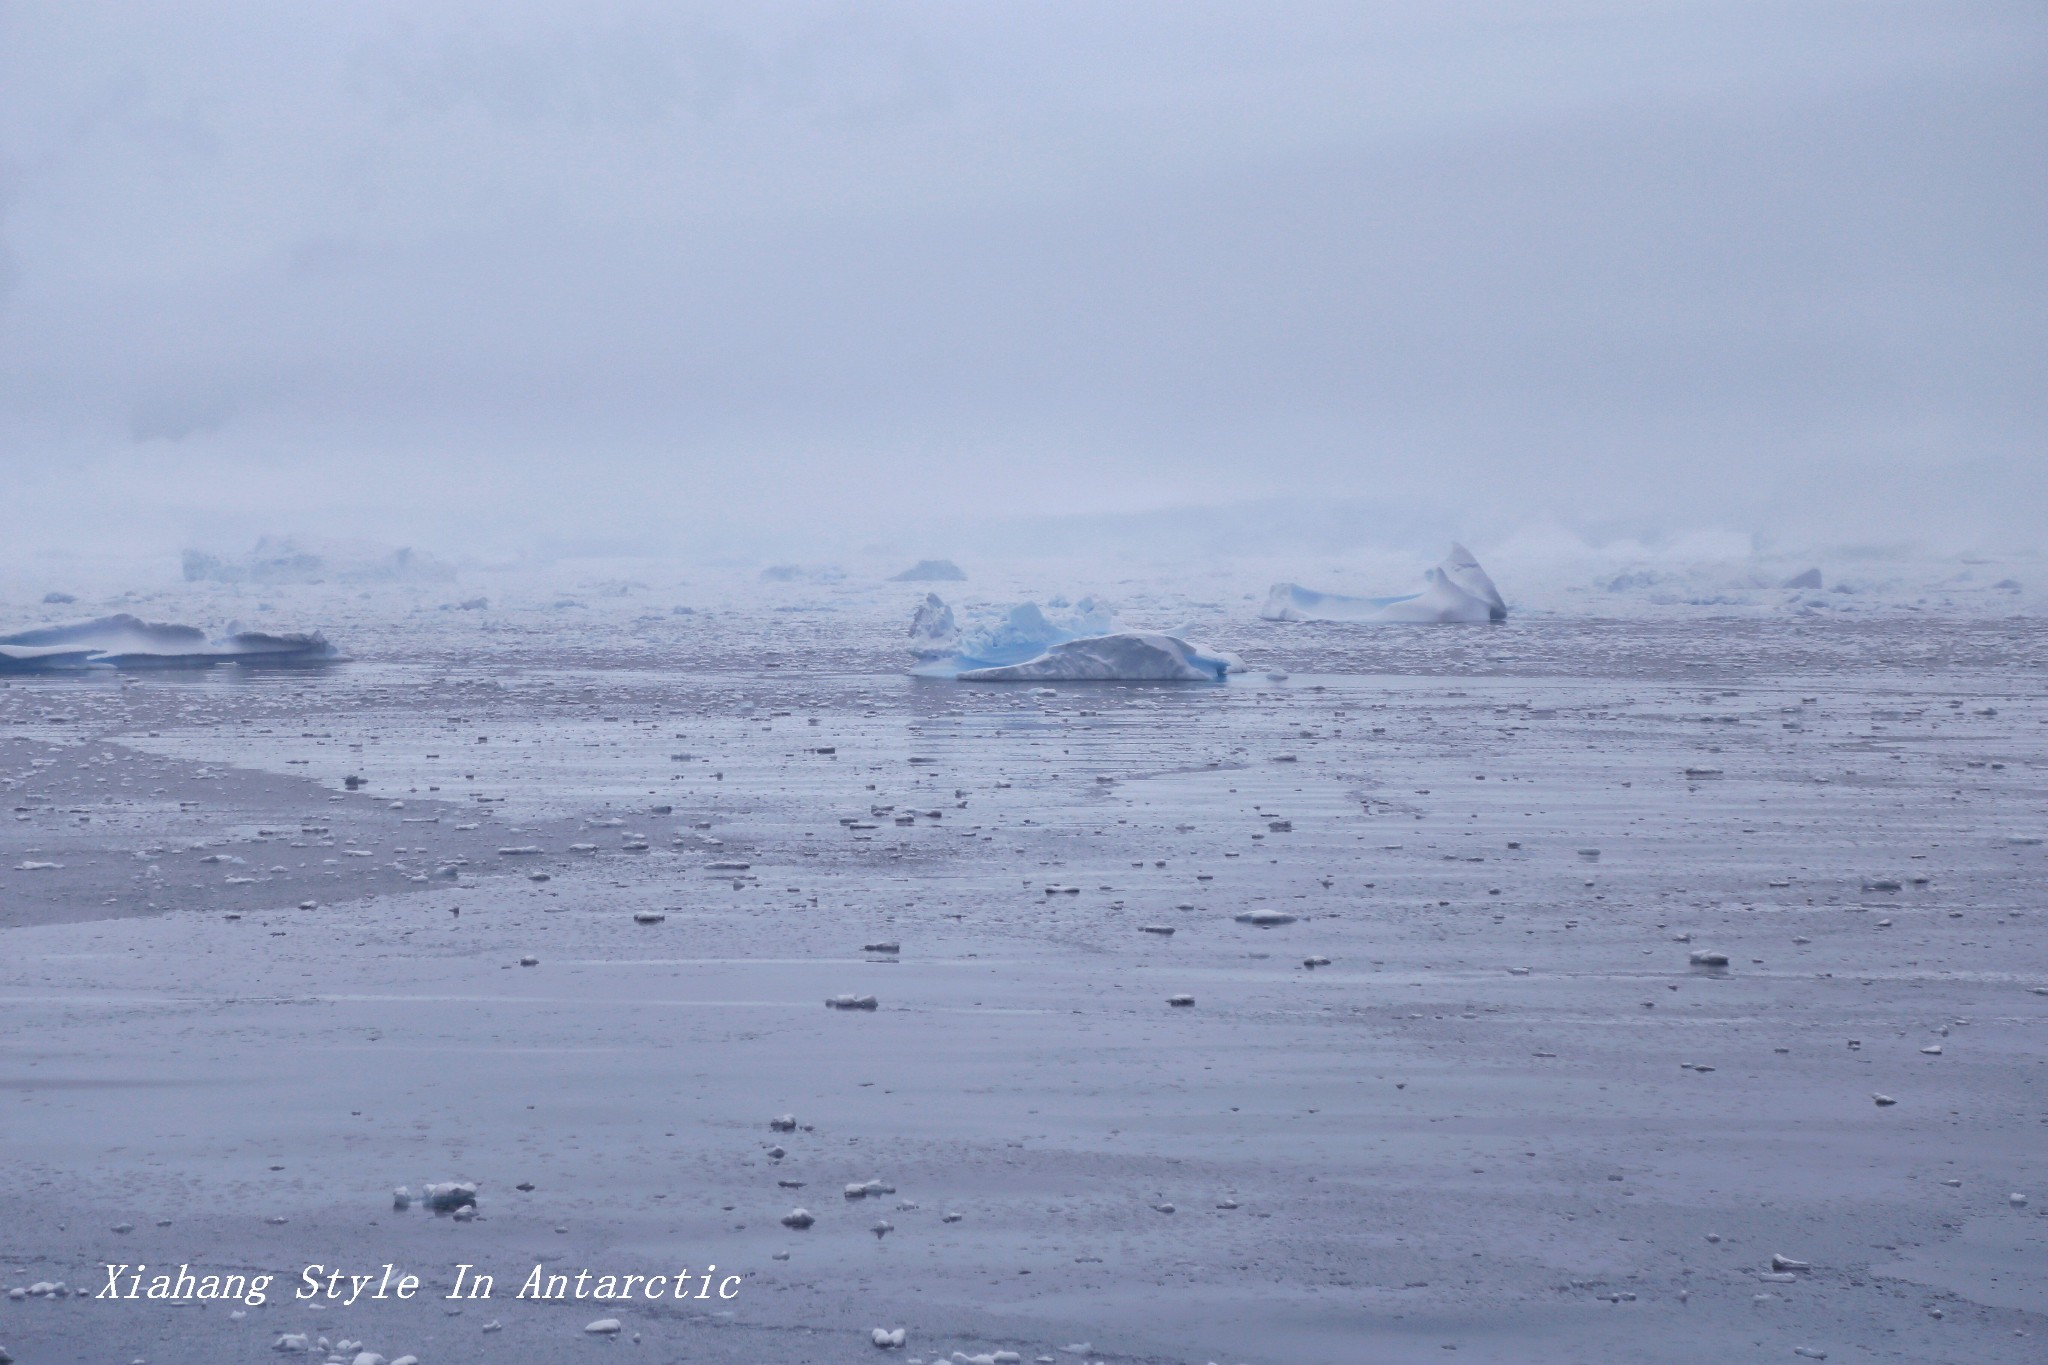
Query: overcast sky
(469, 273)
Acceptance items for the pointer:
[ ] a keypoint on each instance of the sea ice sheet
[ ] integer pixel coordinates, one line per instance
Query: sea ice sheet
(125, 641)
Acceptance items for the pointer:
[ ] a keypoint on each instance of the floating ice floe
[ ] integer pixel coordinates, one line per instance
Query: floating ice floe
(129, 642)
(1458, 591)
(1084, 643)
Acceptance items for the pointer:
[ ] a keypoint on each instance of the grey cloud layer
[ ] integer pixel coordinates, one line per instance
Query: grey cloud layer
(1673, 261)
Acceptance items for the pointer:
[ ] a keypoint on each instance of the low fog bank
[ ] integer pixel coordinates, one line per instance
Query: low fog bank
(1214, 563)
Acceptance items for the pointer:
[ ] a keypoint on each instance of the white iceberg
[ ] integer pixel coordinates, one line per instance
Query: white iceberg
(933, 635)
(1082, 642)
(125, 641)
(1458, 591)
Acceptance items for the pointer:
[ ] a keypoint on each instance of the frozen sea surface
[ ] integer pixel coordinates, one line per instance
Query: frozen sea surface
(1507, 1115)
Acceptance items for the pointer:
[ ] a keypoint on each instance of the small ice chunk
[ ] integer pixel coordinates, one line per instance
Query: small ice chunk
(450, 1195)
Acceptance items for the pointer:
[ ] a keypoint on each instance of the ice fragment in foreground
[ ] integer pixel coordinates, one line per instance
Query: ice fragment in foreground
(450, 1195)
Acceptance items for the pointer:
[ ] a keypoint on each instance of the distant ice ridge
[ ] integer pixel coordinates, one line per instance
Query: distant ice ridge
(1084, 642)
(286, 560)
(129, 642)
(1458, 591)
(931, 571)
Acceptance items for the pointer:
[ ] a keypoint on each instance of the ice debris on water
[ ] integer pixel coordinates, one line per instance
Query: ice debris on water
(604, 1327)
(798, 1218)
(1265, 919)
(1456, 591)
(1707, 958)
(887, 1338)
(1180, 1000)
(849, 1001)
(783, 1123)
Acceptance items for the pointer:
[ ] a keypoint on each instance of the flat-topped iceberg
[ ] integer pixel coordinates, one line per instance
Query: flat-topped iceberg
(1082, 642)
(1457, 590)
(126, 641)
